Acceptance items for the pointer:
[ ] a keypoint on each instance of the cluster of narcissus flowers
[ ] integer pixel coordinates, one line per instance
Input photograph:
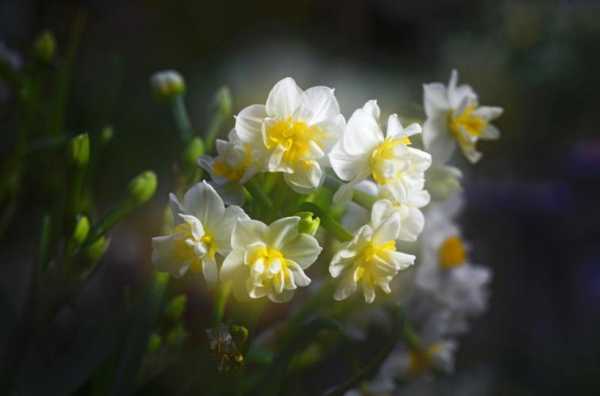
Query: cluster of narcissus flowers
(300, 134)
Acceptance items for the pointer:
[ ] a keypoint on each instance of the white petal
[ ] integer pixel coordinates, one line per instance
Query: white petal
(300, 278)
(163, 256)
(368, 292)
(284, 99)
(437, 139)
(372, 109)
(247, 232)
(346, 166)
(488, 112)
(346, 288)
(394, 127)
(223, 231)
(318, 105)
(204, 202)
(176, 208)
(491, 132)
(362, 134)
(435, 99)
(197, 227)
(380, 212)
(401, 260)
(412, 225)
(303, 249)
(283, 297)
(209, 270)
(388, 230)
(248, 123)
(282, 231)
(306, 177)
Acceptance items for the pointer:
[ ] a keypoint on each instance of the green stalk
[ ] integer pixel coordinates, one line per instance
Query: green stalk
(182, 119)
(328, 222)
(222, 296)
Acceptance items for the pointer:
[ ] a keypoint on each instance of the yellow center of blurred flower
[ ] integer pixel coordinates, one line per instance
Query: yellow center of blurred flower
(184, 250)
(233, 172)
(419, 360)
(452, 253)
(386, 151)
(294, 137)
(467, 122)
(368, 258)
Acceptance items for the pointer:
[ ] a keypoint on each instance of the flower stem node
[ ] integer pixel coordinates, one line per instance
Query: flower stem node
(142, 187)
(167, 84)
(78, 151)
(309, 223)
(45, 46)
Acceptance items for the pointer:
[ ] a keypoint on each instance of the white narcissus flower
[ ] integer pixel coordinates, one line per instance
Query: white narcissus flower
(202, 231)
(364, 151)
(454, 116)
(236, 162)
(269, 260)
(296, 129)
(370, 259)
(444, 270)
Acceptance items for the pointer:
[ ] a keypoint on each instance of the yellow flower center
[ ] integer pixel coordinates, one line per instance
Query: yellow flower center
(295, 137)
(233, 172)
(452, 253)
(271, 266)
(366, 260)
(185, 252)
(420, 360)
(385, 152)
(468, 122)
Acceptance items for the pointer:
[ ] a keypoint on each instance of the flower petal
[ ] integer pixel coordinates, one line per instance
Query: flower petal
(205, 203)
(222, 233)
(282, 231)
(304, 250)
(284, 99)
(388, 230)
(362, 133)
(248, 123)
(247, 232)
(318, 105)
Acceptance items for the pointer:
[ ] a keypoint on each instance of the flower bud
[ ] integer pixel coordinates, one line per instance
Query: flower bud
(154, 342)
(106, 135)
(142, 188)
(167, 84)
(176, 307)
(193, 150)
(45, 46)
(97, 249)
(309, 223)
(82, 228)
(223, 100)
(78, 150)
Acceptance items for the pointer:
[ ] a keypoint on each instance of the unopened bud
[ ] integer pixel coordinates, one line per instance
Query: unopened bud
(194, 149)
(45, 46)
(176, 307)
(78, 150)
(167, 84)
(223, 100)
(106, 135)
(154, 342)
(82, 228)
(97, 249)
(143, 187)
(309, 223)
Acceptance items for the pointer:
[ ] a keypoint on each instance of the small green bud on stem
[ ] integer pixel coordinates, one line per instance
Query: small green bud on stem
(309, 223)
(142, 188)
(78, 151)
(45, 46)
(167, 84)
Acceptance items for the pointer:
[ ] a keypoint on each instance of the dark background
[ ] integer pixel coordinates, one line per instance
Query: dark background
(532, 202)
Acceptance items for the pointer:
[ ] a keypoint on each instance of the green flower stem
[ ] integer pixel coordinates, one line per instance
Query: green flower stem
(108, 221)
(259, 195)
(222, 113)
(328, 222)
(182, 120)
(363, 199)
(222, 296)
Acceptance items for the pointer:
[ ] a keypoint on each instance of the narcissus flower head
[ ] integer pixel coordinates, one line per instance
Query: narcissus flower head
(364, 151)
(455, 117)
(370, 259)
(202, 232)
(269, 260)
(296, 129)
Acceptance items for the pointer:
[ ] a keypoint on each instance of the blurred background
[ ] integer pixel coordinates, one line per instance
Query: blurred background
(532, 211)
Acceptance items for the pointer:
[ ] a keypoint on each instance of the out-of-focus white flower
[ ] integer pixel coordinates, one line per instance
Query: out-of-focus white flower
(269, 260)
(444, 270)
(364, 151)
(296, 129)
(202, 231)
(236, 162)
(442, 181)
(412, 220)
(167, 83)
(454, 116)
(370, 259)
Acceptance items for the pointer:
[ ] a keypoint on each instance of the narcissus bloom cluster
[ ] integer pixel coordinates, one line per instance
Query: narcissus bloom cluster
(296, 192)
